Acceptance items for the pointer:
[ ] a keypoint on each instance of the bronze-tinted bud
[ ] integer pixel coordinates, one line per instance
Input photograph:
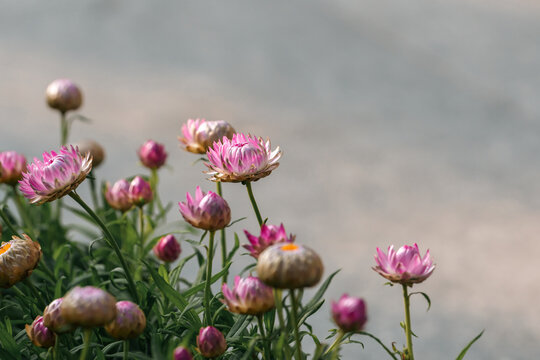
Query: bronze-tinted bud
(88, 307)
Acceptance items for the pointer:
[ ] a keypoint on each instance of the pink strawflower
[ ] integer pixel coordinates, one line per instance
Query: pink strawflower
(12, 165)
(242, 158)
(39, 334)
(181, 353)
(167, 248)
(248, 296)
(55, 176)
(152, 154)
(200, 134)
(63, 95)
(349, 313)
(405, 266)
(270, 235)
(140, 191)
(118, 196)
(208, 211)
(211, 342)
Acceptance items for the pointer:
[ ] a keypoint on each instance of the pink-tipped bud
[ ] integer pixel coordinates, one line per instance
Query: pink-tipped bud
(63, 95)
(118, 196)
(39, 334)
(181, 353)
(349, 313)
(140, 191)
(211, 342)
(208, 211)
(248, 296)
(129, 323)
(12, 165)
(167, 248)
(54, 320)
(152, 154)
(270, 235)
(96, 151)
(88, 307)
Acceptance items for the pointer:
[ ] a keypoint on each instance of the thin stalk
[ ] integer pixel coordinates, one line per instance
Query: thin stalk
(93, 192)
(266, 349)
(87, 335)
(223, 239)
(126, 350)
(23, 213)
(253, 202)
(54, 347)
(335, 345)
(112, 243)
(294, 315)
(8, 223)
(64, 128)
(408, 331)
(141, 227)
(154, 181)
(207, 293)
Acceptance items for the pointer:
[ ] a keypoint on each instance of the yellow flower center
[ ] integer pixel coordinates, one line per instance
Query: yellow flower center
(5, 247)
(289, 247)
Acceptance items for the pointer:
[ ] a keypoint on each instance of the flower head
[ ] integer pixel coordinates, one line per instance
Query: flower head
(63, 95)
(270, 235)
(349, 313)
(18, 258)
(181, 353)
(39, 334)
(249, 296)
(200, 134)
(211, 342)
(95, 149)
(208, 211)
(167, 248)
(152, 154)
(118, 196)
(405, 266)
(129, 323)
(289, 266)
(140, 191)
(242, 158)
(55, 176)
(54, 320)
(12, 165)
(88, 307)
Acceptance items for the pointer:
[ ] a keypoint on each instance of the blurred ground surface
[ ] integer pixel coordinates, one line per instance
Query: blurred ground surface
(401, 121)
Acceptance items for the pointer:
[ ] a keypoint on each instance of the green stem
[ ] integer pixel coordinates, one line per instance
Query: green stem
(141, 227)
(253, 202)
(408, 331)
(294, 315)
(23, 213)
(112, 243)
(93, 192)
(223, 239)
(8, 223)
(335, 345)
(154, 181)
(64, 128)
(126, 349)
(87, 335)
(266, 349)
(207, 291)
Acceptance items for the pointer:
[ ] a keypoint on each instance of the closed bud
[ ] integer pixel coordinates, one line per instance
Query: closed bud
(118, 197)
(39, 334)
(211, 342)
(181, 353)
(167, 248)
(349, 313)
(152, 154)
(63, 95)
(96, 151)
(129, 323)
(12, 166)
(248, 296)
(140, 191)
(88, 307)
(208, 211)
(53, 319)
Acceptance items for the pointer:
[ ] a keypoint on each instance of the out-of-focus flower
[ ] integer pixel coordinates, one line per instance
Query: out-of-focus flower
(12, 166)
(208, 211)
(140, 191)
(152, 154)
(63, 95)
(18, 258)
(88, 307)
(405, 266)
(289, 266)
(242, 158)
(167, 248)
(56, 176)
(54, 320)
(39, 334)
(270, 235)
(181, 353)
(200, 134)
(118, 196)
(129, 323)
(349, 313)
(211, 342)
(95, 149)
(249, 296)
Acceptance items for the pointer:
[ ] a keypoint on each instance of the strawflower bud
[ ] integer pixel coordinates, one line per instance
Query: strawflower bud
(12, 166)
(199, 134)
(95, 149)
(39, 334)
(118, 196)
(18, 258)
(289, 266)
(208, 211)
(152, 154)
(167, 248)
(270, 235)
(211, 342)
(129, 323)
(54, 320)
(181, 353)
(405, 266)
(63, 95)
(248, 296)
(349, 313)
(88, 307)
(140, 191)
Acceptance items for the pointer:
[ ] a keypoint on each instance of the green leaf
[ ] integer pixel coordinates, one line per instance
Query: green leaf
(425, 297)
(199, 287)
(464, 351)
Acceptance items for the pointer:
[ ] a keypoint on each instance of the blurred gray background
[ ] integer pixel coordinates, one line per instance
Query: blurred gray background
(401, 122)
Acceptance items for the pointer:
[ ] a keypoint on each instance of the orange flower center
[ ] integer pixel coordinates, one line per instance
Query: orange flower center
(5, 247)
(289, 247)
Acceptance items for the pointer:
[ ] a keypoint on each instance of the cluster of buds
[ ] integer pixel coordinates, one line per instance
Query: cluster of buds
(123, 195)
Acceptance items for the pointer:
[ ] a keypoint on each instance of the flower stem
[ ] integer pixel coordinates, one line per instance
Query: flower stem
(154, 181)
(112, 243)
(207, 291)
(253, 202)
(266, 349)
(93, 192)
(23, 213)
(223, 239)
(294, 315)
(408, 332)
(64, 128)
(126, 350)
(87, 335)
(335, 345)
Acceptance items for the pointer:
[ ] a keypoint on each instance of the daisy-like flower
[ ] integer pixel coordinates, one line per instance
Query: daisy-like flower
(248, 296)
(405, 266)
(242, 158)
(18, 258)
(55, 176)
(12, 165)
(270, 235)
(208, 211)
(200, 134)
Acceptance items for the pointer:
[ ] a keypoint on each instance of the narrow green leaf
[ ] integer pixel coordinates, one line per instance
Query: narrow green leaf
(464, 351)
(425, 297)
